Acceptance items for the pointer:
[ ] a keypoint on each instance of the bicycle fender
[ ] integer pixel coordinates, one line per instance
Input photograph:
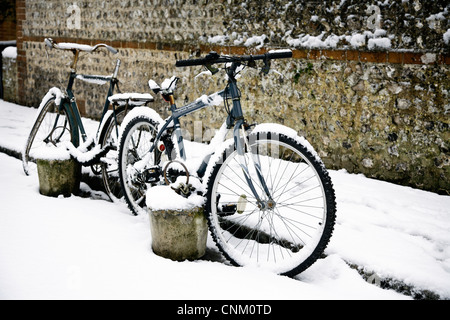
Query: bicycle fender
(52, 93)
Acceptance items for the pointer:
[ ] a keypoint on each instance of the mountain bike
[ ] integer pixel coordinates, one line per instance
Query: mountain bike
(58, 120)
(269, 199)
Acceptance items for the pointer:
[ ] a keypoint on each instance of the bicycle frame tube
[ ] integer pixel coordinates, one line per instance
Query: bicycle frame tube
(236, 116)
(71, 97)
(181, 112)
(75, 112)
(72, 109)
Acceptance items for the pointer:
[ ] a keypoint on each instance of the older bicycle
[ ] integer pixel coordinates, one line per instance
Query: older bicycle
(59, 121)
(270, 202)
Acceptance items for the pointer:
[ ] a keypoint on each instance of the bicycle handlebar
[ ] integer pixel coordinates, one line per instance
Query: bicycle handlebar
(214, 58)
(78, 47)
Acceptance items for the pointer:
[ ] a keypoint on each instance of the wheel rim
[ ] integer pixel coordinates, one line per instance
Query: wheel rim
(283, 234)
(45, 131)
(110, 163)
(137, 157)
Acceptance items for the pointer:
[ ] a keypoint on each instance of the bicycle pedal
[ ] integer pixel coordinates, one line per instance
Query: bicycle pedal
(152, 174)
(227, 210)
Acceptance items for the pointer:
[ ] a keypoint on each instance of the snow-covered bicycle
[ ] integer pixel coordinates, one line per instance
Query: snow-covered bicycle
(269, 199)
(59, 122)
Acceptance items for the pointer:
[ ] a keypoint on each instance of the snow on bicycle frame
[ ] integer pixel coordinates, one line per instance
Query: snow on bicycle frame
(270, 202)
(76, 49)
(235, 115)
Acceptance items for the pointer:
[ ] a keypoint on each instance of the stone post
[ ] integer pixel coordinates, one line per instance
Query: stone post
(58, 175)
(178, 225)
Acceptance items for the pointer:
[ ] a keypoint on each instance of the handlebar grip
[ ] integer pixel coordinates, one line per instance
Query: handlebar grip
(213, 58)
(190, 63)
(286, 54)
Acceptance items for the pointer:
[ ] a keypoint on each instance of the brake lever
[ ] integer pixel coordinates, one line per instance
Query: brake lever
(266, 68)
(212, 69)
(48, 45)
(49, 42)
(252, 64)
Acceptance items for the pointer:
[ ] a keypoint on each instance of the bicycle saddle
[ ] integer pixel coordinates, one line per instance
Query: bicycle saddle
(132, 99)
(166, 88)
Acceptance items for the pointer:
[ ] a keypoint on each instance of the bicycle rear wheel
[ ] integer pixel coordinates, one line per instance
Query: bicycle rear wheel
(52, 126)
(110, 163)
(291, 228)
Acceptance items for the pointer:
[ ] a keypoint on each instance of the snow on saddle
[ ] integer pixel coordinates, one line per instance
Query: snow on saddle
(131, 99)
(166, 88)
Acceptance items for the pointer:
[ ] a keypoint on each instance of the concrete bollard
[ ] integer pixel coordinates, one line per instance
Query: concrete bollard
(178, 225)
(179, 235)
(58, 173)
(58, 177)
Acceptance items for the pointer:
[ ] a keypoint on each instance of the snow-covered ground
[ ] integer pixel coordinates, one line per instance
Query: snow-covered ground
(89, 248)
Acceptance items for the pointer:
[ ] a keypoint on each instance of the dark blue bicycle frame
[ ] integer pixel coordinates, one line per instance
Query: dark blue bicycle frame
(235, 117)
(74, 113)
(173, 121)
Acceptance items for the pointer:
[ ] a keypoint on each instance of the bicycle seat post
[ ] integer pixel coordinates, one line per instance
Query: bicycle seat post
(176, 122)
(116, 69)
(73, 67)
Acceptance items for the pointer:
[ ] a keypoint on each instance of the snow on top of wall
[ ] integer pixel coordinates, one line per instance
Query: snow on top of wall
(344, 24)
(256, 40)
(10, 53)
(314, 42)
(447, 37)
(381, 43)
(373, 40)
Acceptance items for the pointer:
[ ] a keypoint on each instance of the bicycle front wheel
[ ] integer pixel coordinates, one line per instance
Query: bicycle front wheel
(288, 230)
(136, 163)
(52, 127)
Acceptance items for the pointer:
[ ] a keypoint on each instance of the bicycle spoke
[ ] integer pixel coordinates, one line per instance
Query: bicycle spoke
(282, 229)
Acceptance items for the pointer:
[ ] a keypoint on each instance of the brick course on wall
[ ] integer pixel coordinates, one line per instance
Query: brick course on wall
(382, 112)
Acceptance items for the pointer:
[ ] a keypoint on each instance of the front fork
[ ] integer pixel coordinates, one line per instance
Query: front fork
(55, 139)
(237, 115)
(241, 145)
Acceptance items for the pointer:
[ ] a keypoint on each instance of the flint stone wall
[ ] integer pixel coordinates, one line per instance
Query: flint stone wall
(9, 78)
(381, 111)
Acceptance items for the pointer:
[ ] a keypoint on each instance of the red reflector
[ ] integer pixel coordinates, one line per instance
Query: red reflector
(161, 147)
